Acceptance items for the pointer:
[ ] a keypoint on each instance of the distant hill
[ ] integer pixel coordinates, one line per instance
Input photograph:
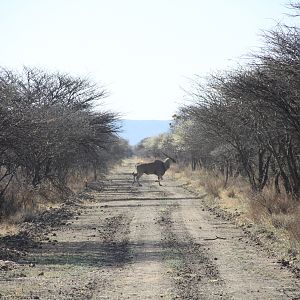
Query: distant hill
(136, 130)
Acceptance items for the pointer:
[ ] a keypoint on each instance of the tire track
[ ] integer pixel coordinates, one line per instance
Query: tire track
(194, 274)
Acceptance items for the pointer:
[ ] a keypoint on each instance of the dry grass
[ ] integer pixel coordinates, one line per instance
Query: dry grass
(22, 202)
(78, 180)
(277, 210)
(7, 228)
(213, 187)
(293, 224)
(211, 182)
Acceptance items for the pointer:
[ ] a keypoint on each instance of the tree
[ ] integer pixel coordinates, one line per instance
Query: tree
(49, 127)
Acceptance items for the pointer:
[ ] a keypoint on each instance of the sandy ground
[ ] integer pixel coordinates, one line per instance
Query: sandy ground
(146, 242)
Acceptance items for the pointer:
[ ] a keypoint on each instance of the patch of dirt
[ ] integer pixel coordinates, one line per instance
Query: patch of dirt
(260, 236)
(13, 247)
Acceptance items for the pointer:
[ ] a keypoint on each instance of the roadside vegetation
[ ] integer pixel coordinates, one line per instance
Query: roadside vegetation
(54, 138)
(239, 136)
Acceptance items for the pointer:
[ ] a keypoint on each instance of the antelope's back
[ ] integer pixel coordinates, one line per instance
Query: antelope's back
(157, 167)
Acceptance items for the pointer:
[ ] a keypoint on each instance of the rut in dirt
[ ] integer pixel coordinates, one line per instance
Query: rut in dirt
(195, 272)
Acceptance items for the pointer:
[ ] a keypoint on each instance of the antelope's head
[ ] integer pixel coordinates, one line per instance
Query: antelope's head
(168, 156)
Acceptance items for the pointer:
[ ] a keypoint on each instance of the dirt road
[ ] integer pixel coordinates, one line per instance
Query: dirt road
(146, 242)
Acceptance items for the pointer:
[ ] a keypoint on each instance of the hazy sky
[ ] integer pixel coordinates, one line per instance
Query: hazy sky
(143, 51)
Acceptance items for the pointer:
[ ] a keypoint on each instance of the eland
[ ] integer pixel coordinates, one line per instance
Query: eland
(157, 168)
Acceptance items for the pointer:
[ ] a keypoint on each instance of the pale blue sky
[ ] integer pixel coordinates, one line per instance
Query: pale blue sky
(143, 51)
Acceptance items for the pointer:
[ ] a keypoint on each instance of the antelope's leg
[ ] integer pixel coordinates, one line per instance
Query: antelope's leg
(138, 177)
(134, 175)
(159, 178)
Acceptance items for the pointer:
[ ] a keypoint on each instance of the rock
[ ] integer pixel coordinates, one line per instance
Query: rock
(6, 265)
